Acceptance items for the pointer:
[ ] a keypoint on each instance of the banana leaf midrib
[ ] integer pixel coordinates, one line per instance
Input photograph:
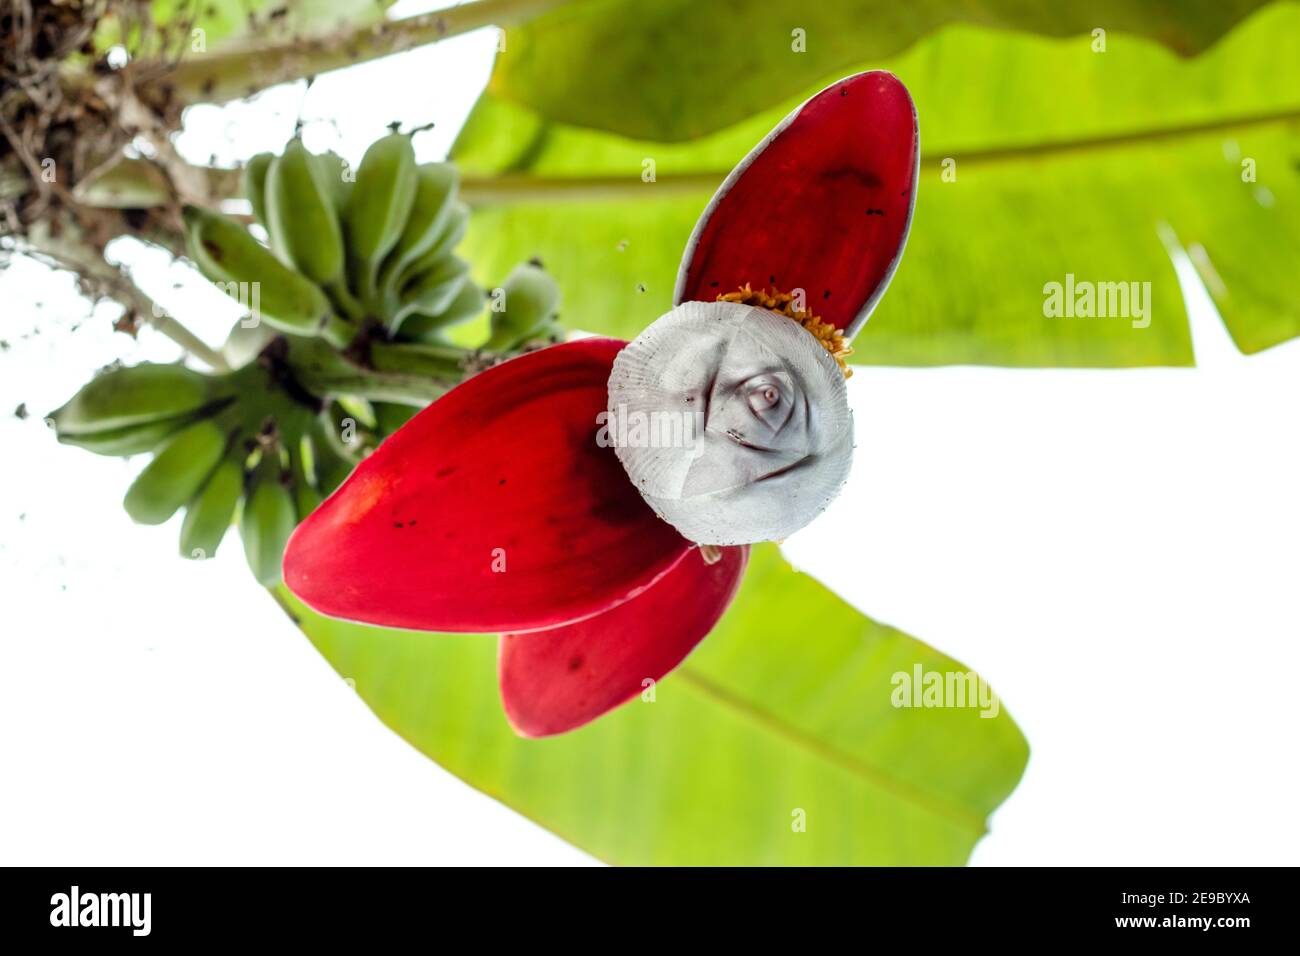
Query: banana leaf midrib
(873, 775)
(525, 187)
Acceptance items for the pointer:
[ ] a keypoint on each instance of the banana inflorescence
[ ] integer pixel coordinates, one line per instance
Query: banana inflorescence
(349, 304)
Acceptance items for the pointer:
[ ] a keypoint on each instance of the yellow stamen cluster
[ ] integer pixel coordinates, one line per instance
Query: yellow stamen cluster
(831, 338)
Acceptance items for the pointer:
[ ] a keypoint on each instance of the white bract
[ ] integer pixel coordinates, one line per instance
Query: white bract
(732, 422)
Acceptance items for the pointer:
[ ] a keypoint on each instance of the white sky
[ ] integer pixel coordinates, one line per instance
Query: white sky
(1114, 551)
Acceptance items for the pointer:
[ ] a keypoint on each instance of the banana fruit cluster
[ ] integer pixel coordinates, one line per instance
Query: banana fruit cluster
(349, 305)
(213, 454)
(349, 251)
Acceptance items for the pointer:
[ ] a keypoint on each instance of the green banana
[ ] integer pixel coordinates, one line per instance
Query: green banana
(131, 439)
(134, 395)
(255, 184)
(331, 470)
(274, 238)
(467, 304)
(378, 208)
(453, 231)
(431, 292)
(210, 512)
(306, 498)
(227, 254)
(449, 236)
(301, 217)
(391, 417)
(176, 474)
(435, 189)
(529, 300)
(245, 343)
(267, 521)
(337, 176)
(331, 463)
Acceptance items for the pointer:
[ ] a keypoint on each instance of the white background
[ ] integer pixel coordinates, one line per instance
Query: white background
(1116, 552)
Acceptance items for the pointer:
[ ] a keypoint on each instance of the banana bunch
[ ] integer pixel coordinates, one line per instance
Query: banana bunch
(264, 464)
(350, 252)
(377, 245)
(350, 302)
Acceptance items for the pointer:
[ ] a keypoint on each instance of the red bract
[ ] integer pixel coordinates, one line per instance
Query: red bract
(497, 509)
(492, 510)
(823, 204)
(553, 681)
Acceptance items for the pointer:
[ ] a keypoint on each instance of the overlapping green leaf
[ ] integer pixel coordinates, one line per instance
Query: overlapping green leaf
(1064, 161)
(782, 717)
(678, 69)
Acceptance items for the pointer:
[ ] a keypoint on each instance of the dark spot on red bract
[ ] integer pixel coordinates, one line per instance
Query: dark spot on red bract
(864, 177)
(575, 663)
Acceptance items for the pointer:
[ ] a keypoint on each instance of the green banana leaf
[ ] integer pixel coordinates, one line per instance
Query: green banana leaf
(1067, 162)
(679, 69)
(776, 742)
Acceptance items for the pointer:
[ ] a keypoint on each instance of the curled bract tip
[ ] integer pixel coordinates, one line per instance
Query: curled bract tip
(731, 421)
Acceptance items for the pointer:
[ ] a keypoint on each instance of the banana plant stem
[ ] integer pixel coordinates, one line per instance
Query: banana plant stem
(221, 76)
